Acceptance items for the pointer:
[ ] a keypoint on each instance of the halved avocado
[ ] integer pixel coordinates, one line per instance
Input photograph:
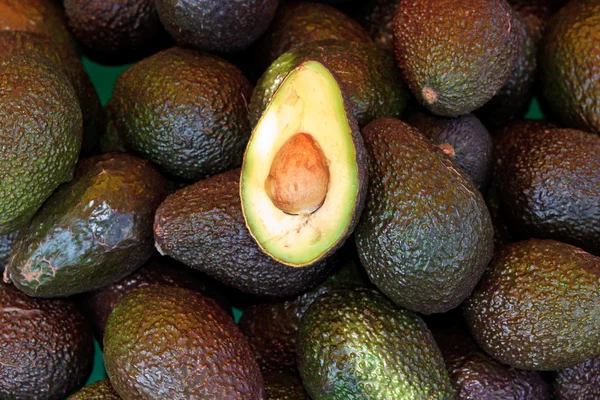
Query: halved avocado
(304, 175)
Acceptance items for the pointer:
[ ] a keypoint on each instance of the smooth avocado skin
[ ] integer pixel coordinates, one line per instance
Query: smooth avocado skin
(356, 344)
(184, 110)
(40, 136)
(101, 390)
(368, 75)
(455, 55)
(220, 244)
(155, 326)
(581, 381)
(425, 236)
(93, 231)
(47, 347)
(536, 307)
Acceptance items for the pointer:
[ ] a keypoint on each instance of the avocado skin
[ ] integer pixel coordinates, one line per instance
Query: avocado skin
(423, 217)
(369, 78)
(184, 110)
(377, 17)
(101, 390)
(581, 381)
(213, 359)
(536, 307)
(93, 231)
(470, 140)
(47, 347)
(6, 243)
(68, 59)
(570, 65)
(284, 386)
(158, 270)
(431, 39)
(41, 135)
(358, 344)
(202, 226)
(550, 186)
(475, 375)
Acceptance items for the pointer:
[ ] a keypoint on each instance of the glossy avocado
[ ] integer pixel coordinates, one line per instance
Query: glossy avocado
(581, 381)
(101, 390)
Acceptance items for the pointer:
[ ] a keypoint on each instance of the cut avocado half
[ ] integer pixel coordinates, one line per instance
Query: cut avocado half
(303, 176)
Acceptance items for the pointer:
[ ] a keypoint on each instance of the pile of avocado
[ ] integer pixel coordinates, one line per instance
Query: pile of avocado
(295, 200)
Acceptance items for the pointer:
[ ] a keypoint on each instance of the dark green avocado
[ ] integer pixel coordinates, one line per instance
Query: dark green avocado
(581, 381)
(284, 386)
(93, 231)
(6, 243)
(101, 390)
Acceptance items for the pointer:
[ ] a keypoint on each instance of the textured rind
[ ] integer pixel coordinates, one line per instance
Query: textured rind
(222, 26)
(6, 243)
(550, 185)
(202, 226)
(470, 140)
(425, 236)
(368, 75)
(581, 381)
(40, 135)
(153, 327)
(99, 303)
(356, 344)
(537, 307)
(377, 17)
(284, 386)
(92, 231)
(475, 375)
(46, 349)
(463, 50)
(570, 65)
(101, 390)
(184, 110)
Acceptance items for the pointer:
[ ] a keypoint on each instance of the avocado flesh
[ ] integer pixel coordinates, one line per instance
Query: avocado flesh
(308, 101)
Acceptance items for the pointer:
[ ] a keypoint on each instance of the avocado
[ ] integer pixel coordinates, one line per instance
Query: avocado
(536, 14)
(184, 110)
(284, 386)
(368, 76)
(158, 270)
(425, 236)
(581, 381)
(304, 174)
(549, 186)
(110, 140)
(6, 243)
(101, 390)
(377, 16)
(223, 26)
(47, 347)
(40, 135)
(455, 54)
(92, 231)
(537, 307)
(357, 344)
(464, 139)
(475, 375)
(202, 226)
(158, 345)
(116, 31)
(570, 65)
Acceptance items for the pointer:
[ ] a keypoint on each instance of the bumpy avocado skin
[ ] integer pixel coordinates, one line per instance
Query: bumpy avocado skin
(536, 307)
(358, 344)
(184, 110)
(377, 17)
(47, 347)
(155, 326)
(423, 218)
(40, 136)
(570, 65)
(581, 381)
(6, 243)
(455, 55)
(93, 231)
(101, 390)
(202, 226)
(284, 386)
(368, 76)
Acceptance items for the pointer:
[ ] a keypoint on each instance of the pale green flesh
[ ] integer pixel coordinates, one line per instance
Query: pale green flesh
(309, 100)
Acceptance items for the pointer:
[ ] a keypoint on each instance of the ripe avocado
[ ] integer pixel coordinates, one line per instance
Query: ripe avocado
(47, 347)
(537, 307)
(186, 227)
(570, 65)
(455, 54)
(184, 110)
(304, 174)
(377, 16)
(425, 236)
(101, 390)
(284, 386)
(356, 344)
(92, 231)
(581, 381)
(158, 345)
(40, 135)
